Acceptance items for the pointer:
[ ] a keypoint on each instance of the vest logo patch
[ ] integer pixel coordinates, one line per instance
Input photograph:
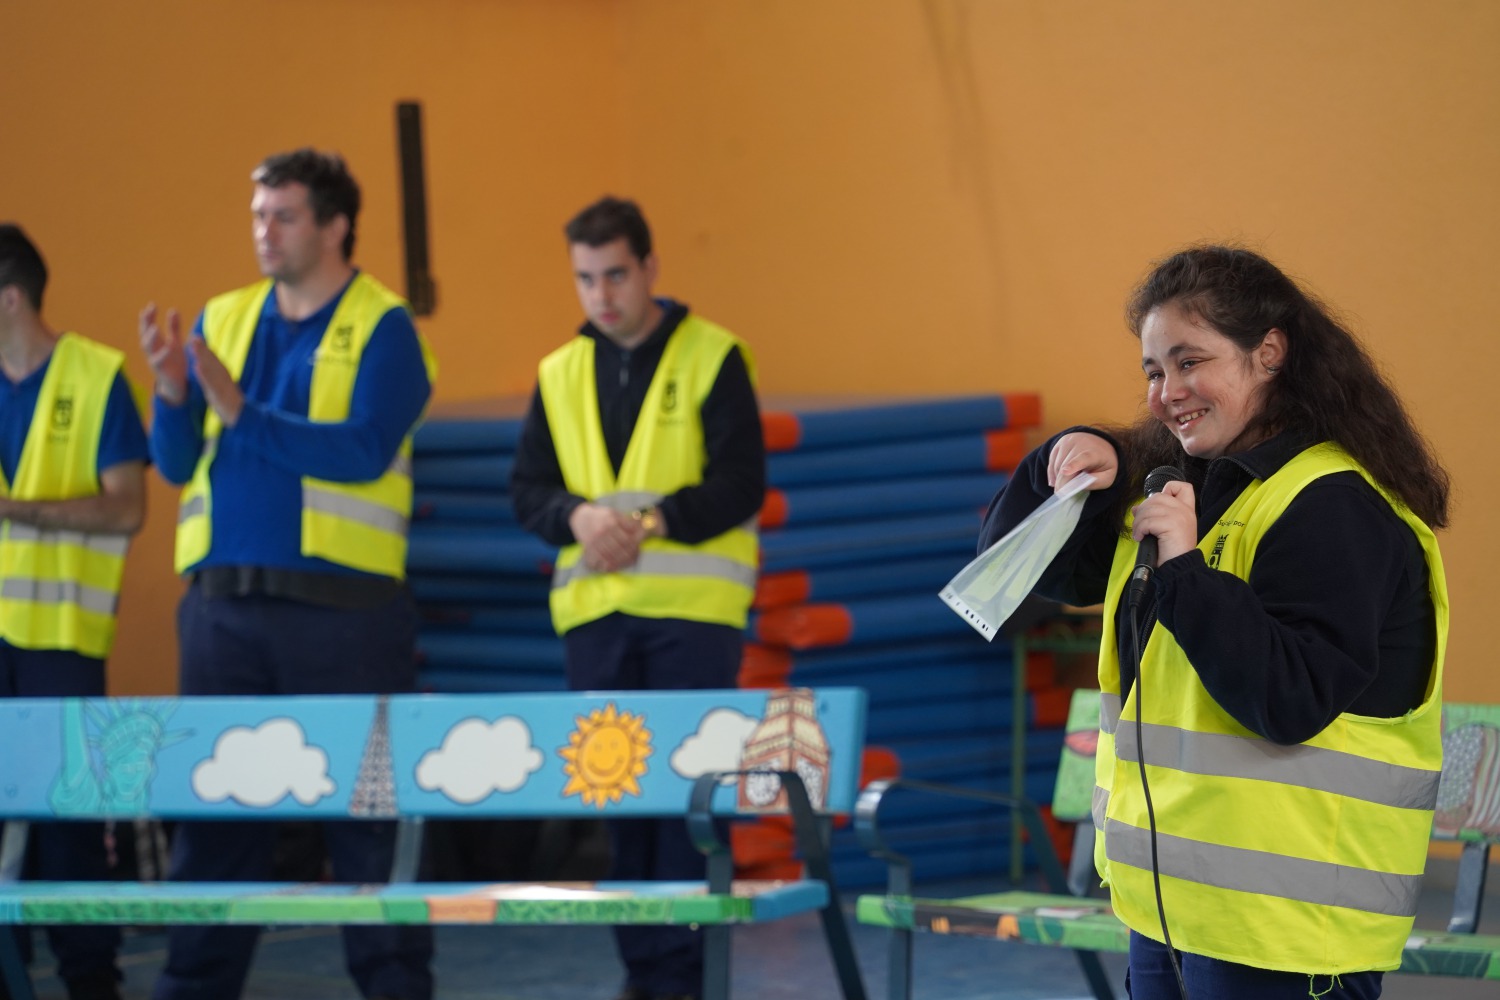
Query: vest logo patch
(62, 413)
(669, 396)
(336, 347)
(1227, 526)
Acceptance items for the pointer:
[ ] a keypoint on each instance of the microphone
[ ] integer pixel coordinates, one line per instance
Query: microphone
(1145, 557)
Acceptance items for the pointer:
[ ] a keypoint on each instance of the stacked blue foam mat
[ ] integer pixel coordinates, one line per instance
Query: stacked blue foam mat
(480, 581)
(873, 509)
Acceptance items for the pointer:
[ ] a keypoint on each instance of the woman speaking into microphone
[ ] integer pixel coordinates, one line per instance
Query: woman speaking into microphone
(1270, 736)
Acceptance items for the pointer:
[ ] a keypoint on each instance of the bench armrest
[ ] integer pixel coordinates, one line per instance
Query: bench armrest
(899, 881)
(707, 837)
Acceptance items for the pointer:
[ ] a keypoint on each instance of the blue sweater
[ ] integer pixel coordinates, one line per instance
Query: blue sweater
(121, 439)
(256, 477)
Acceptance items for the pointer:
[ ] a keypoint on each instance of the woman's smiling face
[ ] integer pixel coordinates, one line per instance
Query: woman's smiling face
(1200, 384)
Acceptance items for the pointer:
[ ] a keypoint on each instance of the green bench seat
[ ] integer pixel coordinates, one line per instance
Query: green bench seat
(1067, 917)
(701, 756)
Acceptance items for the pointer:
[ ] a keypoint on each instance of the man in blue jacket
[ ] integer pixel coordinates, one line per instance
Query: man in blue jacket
(288, 417)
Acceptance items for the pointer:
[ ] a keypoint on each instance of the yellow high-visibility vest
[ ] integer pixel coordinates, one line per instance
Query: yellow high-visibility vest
(1305, 858)
(59, 589)
(359, 525)
(712, 581)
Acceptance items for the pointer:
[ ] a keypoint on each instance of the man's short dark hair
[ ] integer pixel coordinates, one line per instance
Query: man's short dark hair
(609, 219)
(331, 188)
(21, 264)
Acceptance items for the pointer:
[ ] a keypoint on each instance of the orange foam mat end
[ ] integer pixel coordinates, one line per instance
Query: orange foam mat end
(783, 870)
(806, 626)
(1061, 835)
(769, 666)
(777, 590)
(878, 764)
(765, 849)
(1004, 449)
(1051, 707)
(783, 431)
(1023, 409)
(1041, 671)
(764, 676)
(773, 511)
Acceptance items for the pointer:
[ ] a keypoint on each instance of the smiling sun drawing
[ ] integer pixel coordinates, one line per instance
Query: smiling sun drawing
(605, 754)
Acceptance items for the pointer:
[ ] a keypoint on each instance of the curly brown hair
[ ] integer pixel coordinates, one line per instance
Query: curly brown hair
(1328, 387)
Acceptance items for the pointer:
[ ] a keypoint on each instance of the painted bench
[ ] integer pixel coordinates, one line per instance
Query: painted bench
(1065, 916)
(694, 754)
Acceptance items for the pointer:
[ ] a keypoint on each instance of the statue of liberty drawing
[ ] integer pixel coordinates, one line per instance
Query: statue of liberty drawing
(109, 755)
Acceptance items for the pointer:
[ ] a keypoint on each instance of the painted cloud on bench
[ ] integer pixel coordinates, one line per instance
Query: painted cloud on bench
(262, 766)
(504, 746)
(716, 746)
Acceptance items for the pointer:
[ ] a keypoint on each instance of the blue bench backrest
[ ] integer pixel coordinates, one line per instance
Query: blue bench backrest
(512, 755)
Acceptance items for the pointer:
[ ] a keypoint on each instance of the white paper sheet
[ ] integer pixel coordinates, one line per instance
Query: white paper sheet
(988, 590)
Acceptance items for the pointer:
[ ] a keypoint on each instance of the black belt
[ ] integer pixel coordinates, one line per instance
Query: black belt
(331, 590)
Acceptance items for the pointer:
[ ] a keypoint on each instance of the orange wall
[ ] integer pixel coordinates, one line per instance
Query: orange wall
(893, 197)
(127, 156)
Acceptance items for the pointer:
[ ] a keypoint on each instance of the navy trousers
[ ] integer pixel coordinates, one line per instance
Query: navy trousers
(621, 652)
(71, 851)
(1151, 978)
(268, 646)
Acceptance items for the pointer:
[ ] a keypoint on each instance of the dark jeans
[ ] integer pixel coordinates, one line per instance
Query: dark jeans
(268, 646)
(1151, 978)
(71, 851)
(620, 652)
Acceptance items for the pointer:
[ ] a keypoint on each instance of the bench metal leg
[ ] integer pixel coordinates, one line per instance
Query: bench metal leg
(716, 936)
(1082, 878)
(12, 970)
(12, 849)
(1468, 892)
(716, 962)
(812, 840)
(898, 970)
(1093, 971)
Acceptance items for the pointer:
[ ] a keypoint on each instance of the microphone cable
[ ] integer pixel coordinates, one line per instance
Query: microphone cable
(1140, 759)
(1155, 483)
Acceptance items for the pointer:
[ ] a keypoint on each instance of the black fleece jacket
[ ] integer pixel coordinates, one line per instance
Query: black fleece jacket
(734, 473)
(1336, 616)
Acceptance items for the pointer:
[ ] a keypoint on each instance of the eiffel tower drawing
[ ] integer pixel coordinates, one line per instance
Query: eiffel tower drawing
(375, 787)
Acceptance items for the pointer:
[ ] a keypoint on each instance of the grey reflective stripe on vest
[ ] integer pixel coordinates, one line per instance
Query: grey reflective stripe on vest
(372, 515)
(669, 564)
(1332, 771)
(626, 501)
(1109, 712)
(19, 588)
(401, 465)
(103, 543)
(195, 506)
(1265, 874)
(1099, 807)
